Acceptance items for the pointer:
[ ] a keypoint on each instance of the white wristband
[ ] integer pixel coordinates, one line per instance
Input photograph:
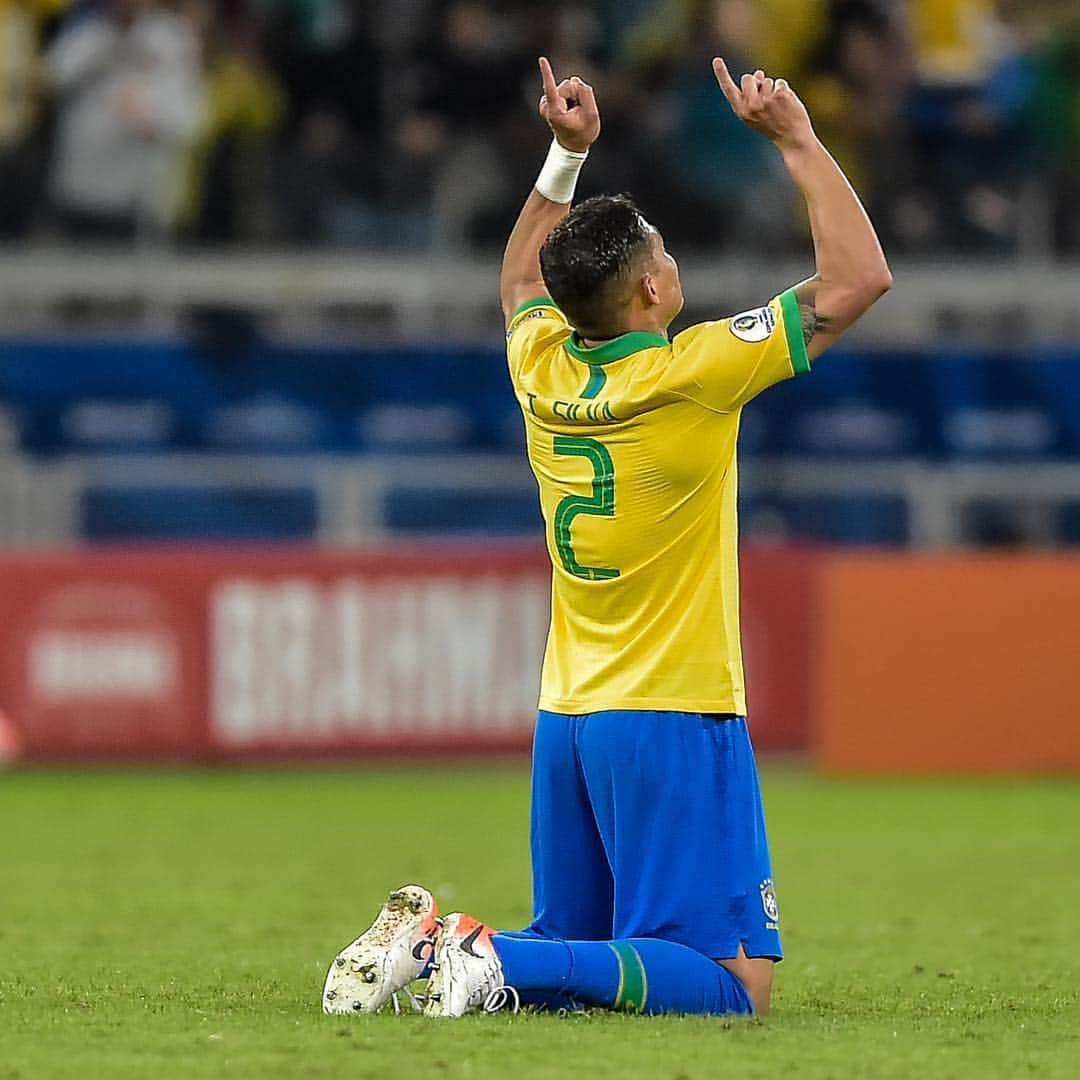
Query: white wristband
(558, 177)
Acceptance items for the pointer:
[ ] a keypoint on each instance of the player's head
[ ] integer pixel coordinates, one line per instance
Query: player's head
(606, 268)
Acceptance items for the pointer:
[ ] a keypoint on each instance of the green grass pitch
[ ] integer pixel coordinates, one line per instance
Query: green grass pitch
(179, 924)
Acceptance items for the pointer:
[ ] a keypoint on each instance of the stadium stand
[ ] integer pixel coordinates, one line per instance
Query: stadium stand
(151, 440)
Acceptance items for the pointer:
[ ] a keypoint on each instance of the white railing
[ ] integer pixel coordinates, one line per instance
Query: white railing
(41, 502)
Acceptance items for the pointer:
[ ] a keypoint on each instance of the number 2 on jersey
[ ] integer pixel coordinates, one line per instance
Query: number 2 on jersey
(601, 503)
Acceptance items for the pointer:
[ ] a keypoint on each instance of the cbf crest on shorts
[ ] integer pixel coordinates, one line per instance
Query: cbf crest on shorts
(768, 902)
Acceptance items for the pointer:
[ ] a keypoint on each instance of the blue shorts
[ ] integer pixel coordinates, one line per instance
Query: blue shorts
(650, 824)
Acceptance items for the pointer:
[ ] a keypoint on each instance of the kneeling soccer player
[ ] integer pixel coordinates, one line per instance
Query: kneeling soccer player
(652, 881)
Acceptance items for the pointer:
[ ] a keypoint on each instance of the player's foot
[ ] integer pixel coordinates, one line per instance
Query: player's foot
(392, 952)
(466, 973)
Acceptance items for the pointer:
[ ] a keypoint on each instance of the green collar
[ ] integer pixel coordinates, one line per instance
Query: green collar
(616, 349)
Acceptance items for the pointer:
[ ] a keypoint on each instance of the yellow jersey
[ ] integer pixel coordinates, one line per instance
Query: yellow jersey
(632, 443)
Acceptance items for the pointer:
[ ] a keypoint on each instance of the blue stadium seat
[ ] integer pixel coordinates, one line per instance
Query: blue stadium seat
(462, 511)
(183, 514)
(857, 520)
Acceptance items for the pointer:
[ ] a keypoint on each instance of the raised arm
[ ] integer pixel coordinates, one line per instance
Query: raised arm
(851, 269)
(569, 109)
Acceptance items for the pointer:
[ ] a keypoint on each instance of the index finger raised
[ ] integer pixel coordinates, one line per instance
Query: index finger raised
(727, 83)
(547, 76)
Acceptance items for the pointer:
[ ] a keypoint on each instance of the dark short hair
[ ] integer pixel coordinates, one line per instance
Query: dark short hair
(591, 254)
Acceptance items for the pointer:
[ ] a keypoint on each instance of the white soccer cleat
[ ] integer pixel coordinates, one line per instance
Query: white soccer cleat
(466, 973)
(386, 957)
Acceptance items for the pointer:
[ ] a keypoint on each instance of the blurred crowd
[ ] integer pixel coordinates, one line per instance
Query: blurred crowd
(411, 124)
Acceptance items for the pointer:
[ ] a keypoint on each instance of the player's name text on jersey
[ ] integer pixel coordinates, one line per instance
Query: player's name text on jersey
(592, 411)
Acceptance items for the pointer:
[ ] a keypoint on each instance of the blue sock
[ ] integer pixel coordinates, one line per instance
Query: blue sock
(636, 975)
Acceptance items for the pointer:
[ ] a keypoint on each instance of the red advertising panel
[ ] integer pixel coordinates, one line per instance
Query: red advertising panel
(398, 655)
(779, 629)
(229, 654)
(102, 656)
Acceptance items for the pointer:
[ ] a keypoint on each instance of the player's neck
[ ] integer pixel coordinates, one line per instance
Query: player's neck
(636, 322)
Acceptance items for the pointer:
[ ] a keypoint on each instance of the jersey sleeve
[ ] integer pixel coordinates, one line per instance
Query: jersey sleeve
(535, 326)
(723, 364)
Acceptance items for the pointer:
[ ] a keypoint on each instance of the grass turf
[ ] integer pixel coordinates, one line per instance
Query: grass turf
(179, 924)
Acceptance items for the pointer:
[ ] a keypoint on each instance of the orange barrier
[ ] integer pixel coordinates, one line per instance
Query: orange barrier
(949, 664)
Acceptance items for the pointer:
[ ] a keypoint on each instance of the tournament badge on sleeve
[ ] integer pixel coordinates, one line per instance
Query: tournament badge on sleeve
(754, 326)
